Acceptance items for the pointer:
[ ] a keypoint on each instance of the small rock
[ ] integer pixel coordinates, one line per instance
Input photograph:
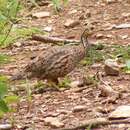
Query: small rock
(96, 65)
(41, 14)
(54, 122)
(122, 126)
(121, 112)
(109, 36)
(63, 111)
(99, 35)
(43, 3)
(123, 88)
(104, 110)
(111, 67)
(79, 108)
(121, 26)
(75, 84)
(71, 23)
(48, 29)
(126, 14)
(5, 126)
(103, 36)
(52, 114)
(111, 1)
(17, 44)
(72, 11)
(123, 36)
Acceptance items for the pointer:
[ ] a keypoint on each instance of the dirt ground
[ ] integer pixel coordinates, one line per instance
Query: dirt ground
(102, 15)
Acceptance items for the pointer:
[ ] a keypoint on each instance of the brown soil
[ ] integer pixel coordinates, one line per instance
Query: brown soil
(60, 104)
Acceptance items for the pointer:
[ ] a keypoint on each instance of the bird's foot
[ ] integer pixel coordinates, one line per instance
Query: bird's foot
(53, 85)
(42, 87)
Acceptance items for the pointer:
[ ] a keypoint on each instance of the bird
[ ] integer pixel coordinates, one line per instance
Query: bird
(57, 61)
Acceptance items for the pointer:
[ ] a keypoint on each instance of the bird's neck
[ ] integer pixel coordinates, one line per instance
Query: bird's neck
(80, 52)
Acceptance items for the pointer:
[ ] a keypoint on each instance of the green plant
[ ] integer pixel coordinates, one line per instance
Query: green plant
(9, 32)
(128, 64)
(8, 13)
(99, 53)
(123, 55)
(28, 94)
(127, 67)
(94, 54)
(91, 80)
(5, 99)
(89, 127)
(57, 4)
(4, 59)
(64, 83)
(19, 33)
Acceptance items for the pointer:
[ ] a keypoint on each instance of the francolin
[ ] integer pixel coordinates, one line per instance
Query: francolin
(57, 61)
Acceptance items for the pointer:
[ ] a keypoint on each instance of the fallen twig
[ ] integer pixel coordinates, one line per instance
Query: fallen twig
(56, 40)
(86, 123)
(98, 121)
(107, 90)
(48, 39)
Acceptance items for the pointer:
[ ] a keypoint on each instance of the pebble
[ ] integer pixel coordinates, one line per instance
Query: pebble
(79, 108)
(54, 122)
(5, 126)
(123, 36)
(47, 29)
(121, 112)
(17, 44)
(71, 23)
(111, 1)
(73, 11)
(126, 14)
(43, 14)
(111, 67)
(75, 84)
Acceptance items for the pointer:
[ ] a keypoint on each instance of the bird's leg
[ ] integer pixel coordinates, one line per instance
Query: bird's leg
(53, 83)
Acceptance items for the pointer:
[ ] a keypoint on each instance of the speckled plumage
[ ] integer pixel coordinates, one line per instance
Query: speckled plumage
(57, 61)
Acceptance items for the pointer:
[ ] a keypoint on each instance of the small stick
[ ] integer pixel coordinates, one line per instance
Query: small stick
(56, 40)
(48, 39)
(106, 89)
(98, 121)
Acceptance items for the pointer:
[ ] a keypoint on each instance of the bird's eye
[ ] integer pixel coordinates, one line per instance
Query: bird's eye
(32, 57)
(92, 28)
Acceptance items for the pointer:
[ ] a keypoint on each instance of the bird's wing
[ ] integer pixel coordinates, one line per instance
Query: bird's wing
(49, 60)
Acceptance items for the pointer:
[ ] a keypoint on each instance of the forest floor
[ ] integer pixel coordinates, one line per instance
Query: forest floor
(70, 106)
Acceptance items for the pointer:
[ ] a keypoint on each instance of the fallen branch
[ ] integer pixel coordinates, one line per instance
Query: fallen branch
(56, 40)
(48, 39)
(107, 90)
(98, 121)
